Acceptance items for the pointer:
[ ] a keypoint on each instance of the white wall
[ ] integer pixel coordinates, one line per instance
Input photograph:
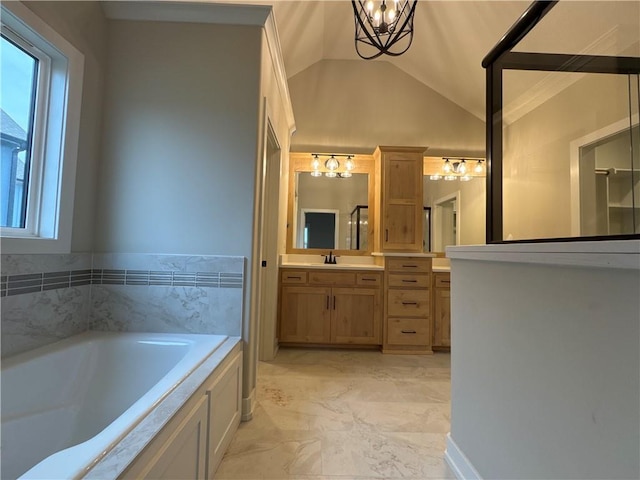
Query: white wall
(83, 25)
(357, 105)
(546, 366)
(180, 139)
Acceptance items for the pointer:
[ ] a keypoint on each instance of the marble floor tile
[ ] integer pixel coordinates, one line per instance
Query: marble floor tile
(345, 414)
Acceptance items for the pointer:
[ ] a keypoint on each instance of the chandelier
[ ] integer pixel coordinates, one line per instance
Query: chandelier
(382, 25)
(463, 169)
(332, 167)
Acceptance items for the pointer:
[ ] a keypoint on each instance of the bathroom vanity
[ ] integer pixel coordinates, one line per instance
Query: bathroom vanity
(394, 301)
(384, 290)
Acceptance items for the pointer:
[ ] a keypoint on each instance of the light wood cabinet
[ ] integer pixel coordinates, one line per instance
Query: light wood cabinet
(399, 194)
(442, 311)
(333, 308)
(407, 319)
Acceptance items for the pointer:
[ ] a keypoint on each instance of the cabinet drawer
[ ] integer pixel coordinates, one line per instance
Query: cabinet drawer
(408, 280)
(366, 279)
(409, 264)
(293, 277)
(408, 303)
(332, 278)
(443, 280)
(408, 331)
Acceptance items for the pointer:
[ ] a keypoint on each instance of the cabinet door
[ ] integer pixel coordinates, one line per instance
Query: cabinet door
(402, 202)
(305, 315)
(356, 316)
(442, 320)
(184, 454)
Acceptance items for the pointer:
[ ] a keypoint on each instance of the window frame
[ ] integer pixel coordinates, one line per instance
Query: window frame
(55, 136)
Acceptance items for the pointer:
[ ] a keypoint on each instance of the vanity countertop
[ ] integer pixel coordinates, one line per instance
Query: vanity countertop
(336, 266)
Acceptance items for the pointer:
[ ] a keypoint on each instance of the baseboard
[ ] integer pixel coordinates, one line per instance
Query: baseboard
(459, 463)
(247, 406)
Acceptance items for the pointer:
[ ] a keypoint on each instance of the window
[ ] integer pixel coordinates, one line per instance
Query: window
(40, 93)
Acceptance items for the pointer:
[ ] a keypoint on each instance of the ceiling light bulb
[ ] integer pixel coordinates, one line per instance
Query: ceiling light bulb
(478, 168)
(349, 164)
(370, 6)
(332, 163)
(447, 168)
(376, 18)
(392, 15)
(462, 168)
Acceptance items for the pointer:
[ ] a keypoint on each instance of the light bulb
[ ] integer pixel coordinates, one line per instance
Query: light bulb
(462, 168)
(478, 168)
(332, 163)
(349, 164)
(376, 18)
(392, 16)
(315, 163)
(370, 6)
(447, 168)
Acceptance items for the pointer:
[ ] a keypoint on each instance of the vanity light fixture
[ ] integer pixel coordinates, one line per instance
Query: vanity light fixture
(332, 165)
(457, 169)
(380, 25)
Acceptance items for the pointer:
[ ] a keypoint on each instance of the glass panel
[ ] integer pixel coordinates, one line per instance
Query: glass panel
(338, 194)
(569, 154)
(18, 71)
(587, 28)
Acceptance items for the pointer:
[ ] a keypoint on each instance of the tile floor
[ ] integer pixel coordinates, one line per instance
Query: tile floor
(338, 414)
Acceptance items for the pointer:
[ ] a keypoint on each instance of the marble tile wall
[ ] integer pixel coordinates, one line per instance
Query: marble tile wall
(36, 310)
(168, 294)
(46, 298)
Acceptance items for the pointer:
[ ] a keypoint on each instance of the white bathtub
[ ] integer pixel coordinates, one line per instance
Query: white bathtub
(64, 406)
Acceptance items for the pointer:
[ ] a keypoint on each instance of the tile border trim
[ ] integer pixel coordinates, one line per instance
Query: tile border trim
(38, 282)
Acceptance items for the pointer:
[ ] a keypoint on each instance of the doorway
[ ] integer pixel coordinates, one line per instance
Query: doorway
(446, 222)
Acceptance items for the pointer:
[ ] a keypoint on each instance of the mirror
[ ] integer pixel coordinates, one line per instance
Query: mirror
(458, 208)
(329, 213)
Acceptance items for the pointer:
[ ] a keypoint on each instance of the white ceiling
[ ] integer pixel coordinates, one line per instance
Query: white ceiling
(452, 37)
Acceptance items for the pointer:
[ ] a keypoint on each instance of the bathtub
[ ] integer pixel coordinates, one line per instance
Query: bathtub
(66, 405)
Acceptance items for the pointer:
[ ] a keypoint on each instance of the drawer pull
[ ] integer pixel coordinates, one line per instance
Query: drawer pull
(289, 277)
(368, 279)
(327, 302)
(409, 281)
(334, 302)
(409, 266)
(410, 303)
(386, 235)
(445, 281)
(409, 331)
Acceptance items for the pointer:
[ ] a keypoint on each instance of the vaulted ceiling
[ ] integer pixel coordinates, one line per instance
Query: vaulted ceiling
(452, 37)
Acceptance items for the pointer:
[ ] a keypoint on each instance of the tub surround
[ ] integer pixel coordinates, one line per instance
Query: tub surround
(48, 297)
(36, 309)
